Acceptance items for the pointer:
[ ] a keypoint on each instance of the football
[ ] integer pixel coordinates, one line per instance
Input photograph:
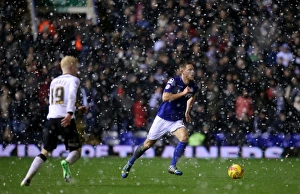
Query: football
(235, 171)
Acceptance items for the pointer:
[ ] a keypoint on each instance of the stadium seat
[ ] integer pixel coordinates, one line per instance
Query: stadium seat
(110, 138)
(295, 140)
(286, 141)
(126, 138)
(221, 139)
(278, 140)
(264, 140)
(252, 139)
(140, 137)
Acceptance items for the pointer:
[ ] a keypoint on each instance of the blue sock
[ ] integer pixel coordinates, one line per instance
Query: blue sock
(132, 160)
(178, 152)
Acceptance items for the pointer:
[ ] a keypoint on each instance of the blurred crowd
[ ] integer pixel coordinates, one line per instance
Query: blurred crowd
(246, 56)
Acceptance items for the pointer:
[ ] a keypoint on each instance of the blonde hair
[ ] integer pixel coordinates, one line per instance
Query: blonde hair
(67, 62)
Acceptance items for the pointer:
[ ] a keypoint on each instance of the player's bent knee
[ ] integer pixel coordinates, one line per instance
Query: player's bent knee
(184, 139)
(45, 152)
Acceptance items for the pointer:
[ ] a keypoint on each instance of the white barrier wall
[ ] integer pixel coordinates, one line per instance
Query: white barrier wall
(98, 151)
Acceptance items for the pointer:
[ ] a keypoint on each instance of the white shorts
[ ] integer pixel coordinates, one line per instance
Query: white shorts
(161, 126)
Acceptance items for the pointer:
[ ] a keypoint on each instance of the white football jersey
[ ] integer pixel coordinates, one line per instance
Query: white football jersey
(62, 96)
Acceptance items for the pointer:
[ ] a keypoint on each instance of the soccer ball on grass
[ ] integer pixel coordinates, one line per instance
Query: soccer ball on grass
(235, 171)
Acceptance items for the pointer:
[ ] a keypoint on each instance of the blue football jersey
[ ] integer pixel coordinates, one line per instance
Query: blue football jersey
(174, 110)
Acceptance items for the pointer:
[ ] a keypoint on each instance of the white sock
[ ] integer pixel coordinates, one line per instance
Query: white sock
(35, 166)
(73, 157)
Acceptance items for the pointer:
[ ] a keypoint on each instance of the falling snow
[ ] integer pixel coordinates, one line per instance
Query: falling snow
(246, 55)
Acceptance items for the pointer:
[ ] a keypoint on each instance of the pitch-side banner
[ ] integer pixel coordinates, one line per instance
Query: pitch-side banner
(90, 151)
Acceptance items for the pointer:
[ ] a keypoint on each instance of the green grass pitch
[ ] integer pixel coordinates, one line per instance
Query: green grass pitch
(150, 176)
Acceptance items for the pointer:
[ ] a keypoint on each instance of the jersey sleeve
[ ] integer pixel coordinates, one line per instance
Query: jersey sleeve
(74, 85)
(170, 85)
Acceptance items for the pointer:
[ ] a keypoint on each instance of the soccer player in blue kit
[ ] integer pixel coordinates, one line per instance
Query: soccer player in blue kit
(178, 97)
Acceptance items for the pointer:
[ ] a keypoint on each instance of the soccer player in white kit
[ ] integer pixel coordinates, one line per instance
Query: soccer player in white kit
(178, 97)
(61, 120)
